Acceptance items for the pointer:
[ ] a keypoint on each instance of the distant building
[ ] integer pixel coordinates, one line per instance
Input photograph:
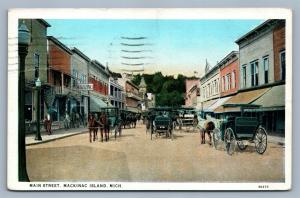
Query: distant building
(116, 91)
(133, 97)
(143, 92)
(192, 87)
(79, 69)
(210, 86)
(229, 74)
(98, 77)
(36, 65)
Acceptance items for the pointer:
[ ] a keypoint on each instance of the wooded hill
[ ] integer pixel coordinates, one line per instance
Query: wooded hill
(168, 90)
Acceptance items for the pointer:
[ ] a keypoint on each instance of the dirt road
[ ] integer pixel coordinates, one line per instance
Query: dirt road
(135, 157)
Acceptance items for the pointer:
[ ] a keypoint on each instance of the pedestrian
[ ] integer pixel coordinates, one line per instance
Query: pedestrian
(49, 123)
(46, 123)
(195, 122)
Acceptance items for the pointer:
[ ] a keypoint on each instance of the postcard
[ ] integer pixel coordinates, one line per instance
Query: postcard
(149, 99)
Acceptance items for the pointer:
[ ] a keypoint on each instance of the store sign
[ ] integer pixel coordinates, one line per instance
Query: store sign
(86, 87)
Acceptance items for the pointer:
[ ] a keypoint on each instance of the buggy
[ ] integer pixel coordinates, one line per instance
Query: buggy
(161, 121)
(114, 119)
(240, 130)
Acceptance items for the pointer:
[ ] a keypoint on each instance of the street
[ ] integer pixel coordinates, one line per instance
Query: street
(135, 157)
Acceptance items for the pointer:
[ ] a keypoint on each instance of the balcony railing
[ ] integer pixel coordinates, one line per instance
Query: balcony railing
(132, 95)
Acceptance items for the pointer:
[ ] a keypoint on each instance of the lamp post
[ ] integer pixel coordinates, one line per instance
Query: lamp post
(23, 43)
(37, 109)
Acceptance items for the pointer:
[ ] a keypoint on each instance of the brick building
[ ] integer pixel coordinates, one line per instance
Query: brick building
(229, 74)
(279, 51)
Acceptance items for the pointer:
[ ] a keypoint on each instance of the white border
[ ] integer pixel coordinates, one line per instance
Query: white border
(158, 13)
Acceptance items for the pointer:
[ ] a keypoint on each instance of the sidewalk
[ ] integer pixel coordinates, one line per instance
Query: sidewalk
(56, 134)
(276, 139)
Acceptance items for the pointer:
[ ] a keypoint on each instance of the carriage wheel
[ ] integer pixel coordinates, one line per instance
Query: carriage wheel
(216, 136)
(242, 146)
(260, 140)
(230, 141)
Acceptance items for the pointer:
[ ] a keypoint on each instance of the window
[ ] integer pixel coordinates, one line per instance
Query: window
(75, 77)
(254, 73)
(244, 73)
(223, 84)
(226, 82)
(266, 69)
(282, 65)
(233, 79)
(36, 64)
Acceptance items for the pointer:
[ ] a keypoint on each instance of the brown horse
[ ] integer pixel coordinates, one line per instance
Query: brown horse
(93, 127)
(104, 126)
(207, 128)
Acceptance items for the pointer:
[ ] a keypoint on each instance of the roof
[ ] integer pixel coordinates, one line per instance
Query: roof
(240, 99)
(272, 99)
(100, 66)
(81, 54)
(131, 83)
(44, 22)
(60, 44)
(232, 55)
(258, 29)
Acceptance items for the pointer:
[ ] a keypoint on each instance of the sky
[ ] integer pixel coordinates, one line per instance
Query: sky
(170, 46)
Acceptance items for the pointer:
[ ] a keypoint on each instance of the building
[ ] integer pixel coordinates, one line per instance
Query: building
(36, 66)
(192, 87)
(262, 75)
(258, 55)
(79, 70)
(116, 91)
(229, 74)
(210, 87)
(133, 98)
(59, 78)
(98, 77)
(143, 93)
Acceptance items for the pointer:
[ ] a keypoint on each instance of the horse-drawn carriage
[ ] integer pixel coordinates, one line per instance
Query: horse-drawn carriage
(185, 118)
(114, 119)
(129, 118)
(238, 130)
(161, 121)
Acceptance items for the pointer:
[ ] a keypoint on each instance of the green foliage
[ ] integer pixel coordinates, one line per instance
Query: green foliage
(136, 79)
(168, 91)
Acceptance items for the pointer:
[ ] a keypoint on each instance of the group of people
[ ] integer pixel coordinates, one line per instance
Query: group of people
(94, 124)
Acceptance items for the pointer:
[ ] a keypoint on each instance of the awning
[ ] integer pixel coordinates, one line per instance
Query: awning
(246, 97)
(96, 103)
(207, 104)
(217, 104)
(272, 100)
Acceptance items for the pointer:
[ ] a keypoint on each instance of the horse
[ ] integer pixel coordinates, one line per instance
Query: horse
(104, 126)
(93, 127)
(208, 127)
